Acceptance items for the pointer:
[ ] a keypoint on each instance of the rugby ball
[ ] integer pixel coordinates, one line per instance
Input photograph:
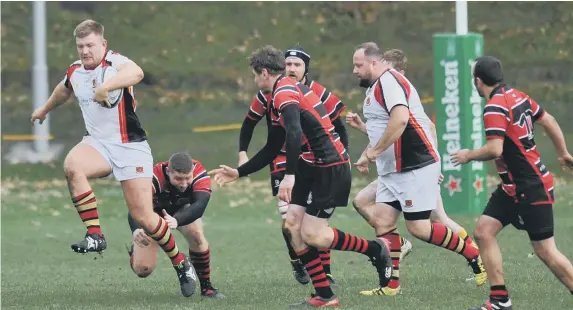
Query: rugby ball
(114, 96)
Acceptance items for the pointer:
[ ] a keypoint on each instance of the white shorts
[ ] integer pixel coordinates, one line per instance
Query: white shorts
(416, 190)
(127, 160)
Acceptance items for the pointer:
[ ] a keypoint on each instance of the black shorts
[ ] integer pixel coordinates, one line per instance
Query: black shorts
(537, 219)
(321, 189)
(276, 178)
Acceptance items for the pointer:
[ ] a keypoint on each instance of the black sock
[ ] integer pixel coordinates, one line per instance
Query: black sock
(291, 251)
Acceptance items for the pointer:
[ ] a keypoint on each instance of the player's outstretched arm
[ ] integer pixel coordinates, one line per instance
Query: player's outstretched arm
(190, 213)
(245, 136)
(553, 130)
(128, 74)
(265, 156)
(59, 96)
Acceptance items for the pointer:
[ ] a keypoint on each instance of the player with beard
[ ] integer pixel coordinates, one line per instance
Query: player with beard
(407, 161)
(297, 62)
(365, 201)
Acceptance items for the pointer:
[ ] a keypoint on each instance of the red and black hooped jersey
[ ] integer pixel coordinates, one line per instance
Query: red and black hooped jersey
(321, 144)
(165, 196)
(510, 115)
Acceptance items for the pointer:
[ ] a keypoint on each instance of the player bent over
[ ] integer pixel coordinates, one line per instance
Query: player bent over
(365, 201)
(323, 178)
(297, 62)
(182, 190)
(525, 196)
(407, 161)
(115, 143)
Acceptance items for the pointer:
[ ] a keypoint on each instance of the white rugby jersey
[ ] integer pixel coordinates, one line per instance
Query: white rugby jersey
(415, 148)
(117, 124)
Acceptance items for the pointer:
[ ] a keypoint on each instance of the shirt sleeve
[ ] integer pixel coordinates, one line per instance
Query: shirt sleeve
(116, 59)
(201, 180)
(538, 111)
(394, 93)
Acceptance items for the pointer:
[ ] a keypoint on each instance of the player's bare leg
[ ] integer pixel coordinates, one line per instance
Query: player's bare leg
(139, 199)
(485, 234)
(200, 255)
(143, 255)
(365, 205)
(298, 271)
(317, 234)
(561, 267)
(84, 162)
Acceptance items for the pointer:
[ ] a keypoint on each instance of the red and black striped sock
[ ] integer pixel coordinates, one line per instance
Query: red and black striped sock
(201, 261)
(311, 260)
(395, 251)
(499, 293)
(86, 205)
(444, 237)
(162, 234)
(348, 242)
(325, 260)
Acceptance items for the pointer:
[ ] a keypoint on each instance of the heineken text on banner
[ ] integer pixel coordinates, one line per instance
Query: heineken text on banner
(459, 121)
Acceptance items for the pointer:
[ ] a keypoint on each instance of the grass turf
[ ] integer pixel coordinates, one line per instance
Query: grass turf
(249, 261)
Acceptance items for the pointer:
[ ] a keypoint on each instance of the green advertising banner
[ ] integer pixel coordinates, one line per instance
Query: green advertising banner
(459, 121)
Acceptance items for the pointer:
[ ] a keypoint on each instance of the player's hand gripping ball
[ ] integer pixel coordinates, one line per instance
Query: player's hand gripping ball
(107, 98)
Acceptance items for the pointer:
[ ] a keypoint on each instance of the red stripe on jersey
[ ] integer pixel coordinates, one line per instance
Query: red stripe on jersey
(403, 83)
(378, 95)
(420, 131)
(69, 73)
(201, 180)
(159, 176)
(329, 100)
(398, 154)
(122, 120)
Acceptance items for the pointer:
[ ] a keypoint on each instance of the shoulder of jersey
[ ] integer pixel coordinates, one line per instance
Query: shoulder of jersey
(158, 168)
(76, 63)
(316, 87)
(198, 166)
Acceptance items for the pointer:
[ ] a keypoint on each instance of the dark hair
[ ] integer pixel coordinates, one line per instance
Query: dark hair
(269, 58)
(181, 163)
(489, 70)
(371, 50)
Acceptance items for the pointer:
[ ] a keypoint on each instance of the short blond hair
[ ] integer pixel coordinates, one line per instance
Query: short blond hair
(396, 58)
(88, 27)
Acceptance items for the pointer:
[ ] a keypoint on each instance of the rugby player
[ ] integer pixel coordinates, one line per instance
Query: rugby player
(181, 192)
(365, 201)
(525, 196)
(115, 143)
(323, 177)
(297, 62)
(407, 161)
